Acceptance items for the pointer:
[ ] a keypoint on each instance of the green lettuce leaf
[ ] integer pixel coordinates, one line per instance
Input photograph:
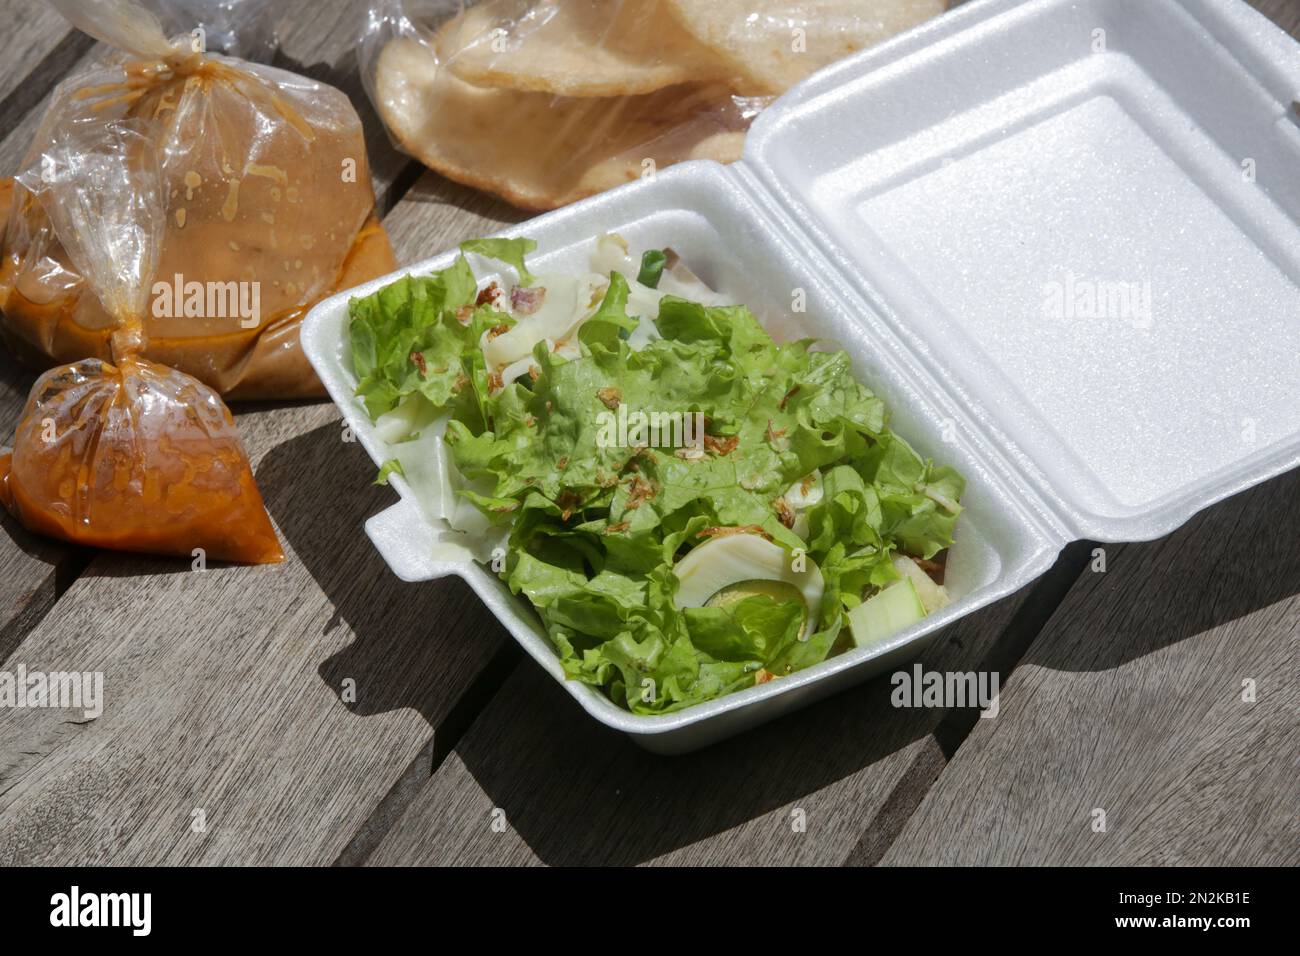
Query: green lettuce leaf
(652, 267)
(390, 467)
(406, 338)
(509, 251)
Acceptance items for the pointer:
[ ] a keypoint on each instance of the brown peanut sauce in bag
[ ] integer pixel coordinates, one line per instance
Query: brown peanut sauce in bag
(176, 217)
(265, 196)
(264, 363)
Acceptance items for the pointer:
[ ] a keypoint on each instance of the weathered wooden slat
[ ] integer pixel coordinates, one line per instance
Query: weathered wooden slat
(223, 688)
(33, 572)
(436, 213)
(32, 568)
(801, 790)
(1285, 13)
(34, 48)
(1131, 702)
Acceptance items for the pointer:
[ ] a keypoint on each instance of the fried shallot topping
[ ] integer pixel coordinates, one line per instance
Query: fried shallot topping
(721, 446)
(640, 490)
(726, 531)
(568, 502)
(784, 513)
(936, 569)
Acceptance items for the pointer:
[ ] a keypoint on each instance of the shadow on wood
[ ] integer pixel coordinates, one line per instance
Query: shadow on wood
(15, 383)
(320, 491)
(1237, 557)
(577, 793)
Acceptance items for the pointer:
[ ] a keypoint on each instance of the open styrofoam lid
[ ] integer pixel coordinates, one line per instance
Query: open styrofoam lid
(1081, 216)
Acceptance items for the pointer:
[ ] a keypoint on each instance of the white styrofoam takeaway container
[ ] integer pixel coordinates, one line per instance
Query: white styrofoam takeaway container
(948, 201)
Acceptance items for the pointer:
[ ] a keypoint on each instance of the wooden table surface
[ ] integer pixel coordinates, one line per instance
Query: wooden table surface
(226, 739)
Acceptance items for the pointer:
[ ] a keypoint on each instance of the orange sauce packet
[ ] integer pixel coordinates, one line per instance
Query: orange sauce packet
(135, 457)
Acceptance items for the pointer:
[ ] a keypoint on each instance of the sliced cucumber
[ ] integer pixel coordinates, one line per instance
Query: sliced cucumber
(780, 591)
(933, 596)
(736, 559)
(896, 607)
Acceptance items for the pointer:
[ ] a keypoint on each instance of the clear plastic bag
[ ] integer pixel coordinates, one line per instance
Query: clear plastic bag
(547, 101)
(129, 455)
(136, 457)
(157, 187)
(258, 201)
(243, 28)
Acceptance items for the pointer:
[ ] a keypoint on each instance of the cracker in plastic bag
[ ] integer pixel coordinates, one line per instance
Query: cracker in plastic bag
(773, 44)
(547, 101)
(265, 207)
(539, 151)
(582, 48)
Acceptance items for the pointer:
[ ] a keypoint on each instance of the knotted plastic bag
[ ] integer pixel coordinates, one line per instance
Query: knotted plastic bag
(136, 457)
(129, 454)
(264, 206)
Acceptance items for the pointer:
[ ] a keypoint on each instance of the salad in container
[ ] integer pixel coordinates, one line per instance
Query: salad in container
(690, 507)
